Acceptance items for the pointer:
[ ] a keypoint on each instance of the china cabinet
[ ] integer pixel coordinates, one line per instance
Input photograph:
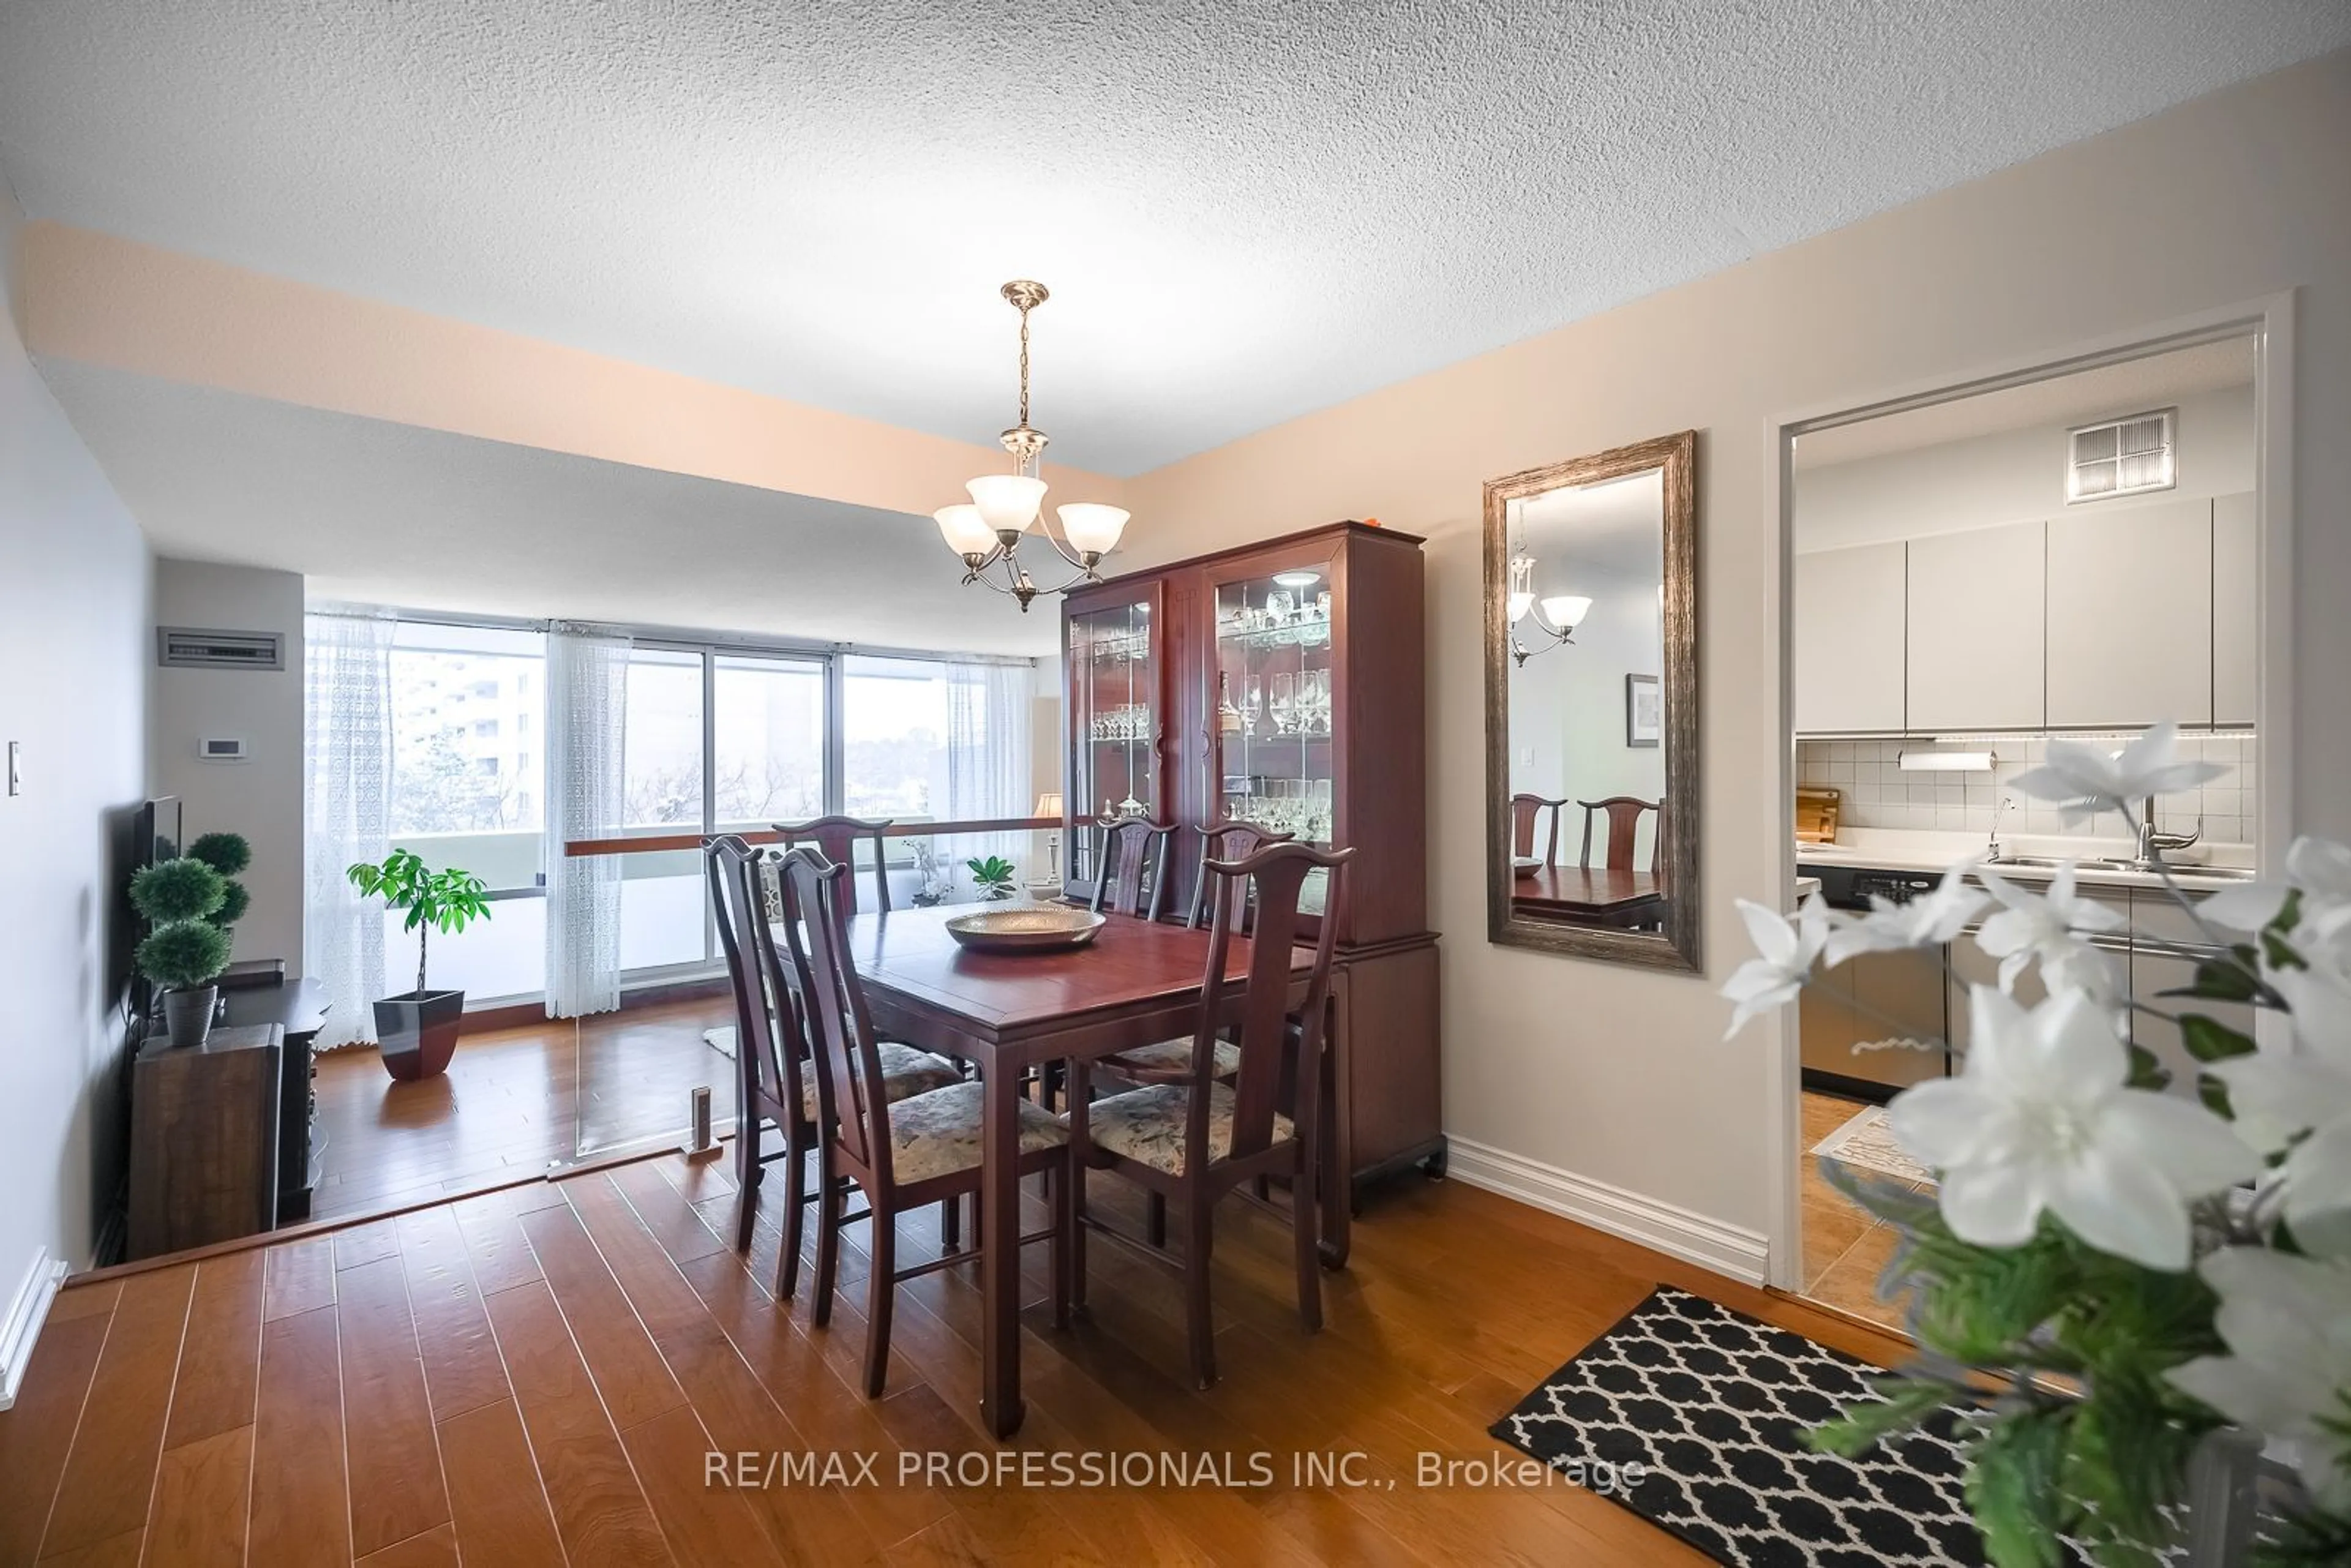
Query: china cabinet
(1281, 683)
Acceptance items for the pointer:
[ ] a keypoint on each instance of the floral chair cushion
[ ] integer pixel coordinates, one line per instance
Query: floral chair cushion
(1147, 1125)
(934, 1133)
(1176, 1056)
(905, 1073)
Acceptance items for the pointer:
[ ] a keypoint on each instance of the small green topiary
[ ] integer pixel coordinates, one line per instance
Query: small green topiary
(233, 907)
(228, 853)
(183, 954)
(172, 889)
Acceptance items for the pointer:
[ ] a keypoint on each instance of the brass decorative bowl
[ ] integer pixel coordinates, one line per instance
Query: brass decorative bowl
(1525, 865)
(1036, 929)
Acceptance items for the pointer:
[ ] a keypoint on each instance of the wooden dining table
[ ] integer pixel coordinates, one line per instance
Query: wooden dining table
(1586, 891)
(1138, 982)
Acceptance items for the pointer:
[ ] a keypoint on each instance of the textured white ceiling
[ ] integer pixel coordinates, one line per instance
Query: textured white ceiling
(1246, 208)
(374, 512)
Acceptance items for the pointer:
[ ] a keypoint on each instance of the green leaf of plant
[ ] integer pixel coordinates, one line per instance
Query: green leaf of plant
(1903, 1402)
(2222, 980)
(2209, 1041)
(2013, 1485)
(2147, 1070)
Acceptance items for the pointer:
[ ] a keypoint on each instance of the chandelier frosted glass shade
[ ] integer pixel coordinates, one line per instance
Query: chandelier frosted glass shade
(1091, 527)
(965, 531)
(1567, 610)
(1009, 502)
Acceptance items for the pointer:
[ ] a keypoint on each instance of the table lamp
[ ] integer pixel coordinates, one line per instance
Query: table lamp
(1049, 804)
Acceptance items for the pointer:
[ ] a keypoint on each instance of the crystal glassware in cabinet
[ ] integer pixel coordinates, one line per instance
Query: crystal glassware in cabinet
(1116, 717)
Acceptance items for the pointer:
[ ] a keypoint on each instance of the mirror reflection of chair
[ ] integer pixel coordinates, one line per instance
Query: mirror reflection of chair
(1621, 846)
(1528, 814)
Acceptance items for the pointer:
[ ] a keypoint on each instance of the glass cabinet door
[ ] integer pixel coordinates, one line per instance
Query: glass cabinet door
(1275, 716)
(1116, 723)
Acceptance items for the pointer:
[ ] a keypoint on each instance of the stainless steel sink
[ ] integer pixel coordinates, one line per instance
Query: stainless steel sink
(2219, 872)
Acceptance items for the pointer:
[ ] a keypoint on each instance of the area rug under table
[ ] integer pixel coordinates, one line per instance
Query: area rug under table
(1714, 1404)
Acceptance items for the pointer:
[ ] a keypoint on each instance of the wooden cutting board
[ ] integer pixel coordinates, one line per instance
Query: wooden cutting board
(1816, 815)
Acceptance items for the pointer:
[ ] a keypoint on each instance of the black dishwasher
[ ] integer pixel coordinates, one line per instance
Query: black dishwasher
(1874, 997)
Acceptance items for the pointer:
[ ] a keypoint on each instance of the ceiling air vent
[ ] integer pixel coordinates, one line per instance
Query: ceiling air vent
(2122, 457)
(197, 648)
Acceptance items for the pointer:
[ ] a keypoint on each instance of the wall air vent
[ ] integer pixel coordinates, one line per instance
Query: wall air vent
(2123, 458)
(198, 648)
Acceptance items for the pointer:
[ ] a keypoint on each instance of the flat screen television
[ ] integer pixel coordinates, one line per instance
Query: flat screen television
(155, 835)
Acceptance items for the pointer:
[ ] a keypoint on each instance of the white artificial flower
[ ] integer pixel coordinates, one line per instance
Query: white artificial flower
(2084, 780)
(2047, 926)
(1788, 952)
(2040, 1118)
(2281, 1093)
(1928, 922)
(2317, 868)
(2287, 1323)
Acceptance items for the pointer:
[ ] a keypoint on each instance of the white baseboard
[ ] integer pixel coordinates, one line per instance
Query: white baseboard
(23, 1324)
(1743, 1255)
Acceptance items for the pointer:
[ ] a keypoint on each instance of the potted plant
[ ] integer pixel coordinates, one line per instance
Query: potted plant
(993, 876)
(228, 853)
(417, 1032)
(185, 949)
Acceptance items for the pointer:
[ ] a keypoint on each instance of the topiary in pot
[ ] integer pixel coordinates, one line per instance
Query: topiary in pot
(228, 853)
(183, 957)
(172, 889)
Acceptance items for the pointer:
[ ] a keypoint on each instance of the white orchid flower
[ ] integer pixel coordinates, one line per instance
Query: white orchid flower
(2048, 927)
(1928, 922)
(2317, 868)
(2287, 1323)
(2040, 1118)
(2084, 780)
(1788, 952)
(2279, 1093)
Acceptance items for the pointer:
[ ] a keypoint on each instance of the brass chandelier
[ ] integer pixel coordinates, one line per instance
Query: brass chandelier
(987, 530)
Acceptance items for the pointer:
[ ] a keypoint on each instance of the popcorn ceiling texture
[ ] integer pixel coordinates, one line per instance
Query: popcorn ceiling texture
(1247, 209)
(1878, 794)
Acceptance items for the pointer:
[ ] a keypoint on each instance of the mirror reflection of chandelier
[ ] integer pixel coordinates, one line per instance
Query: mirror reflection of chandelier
(987, 530)
(1552, 620)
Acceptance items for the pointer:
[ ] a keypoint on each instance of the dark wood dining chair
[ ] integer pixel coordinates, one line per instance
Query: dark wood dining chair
(1193, 1142)
(1623, 813)
(773, 1077)
(1227, 842)
(838, 838)
(1527, 816)
(903, 1153)
(1132, 867)
(1620, 847)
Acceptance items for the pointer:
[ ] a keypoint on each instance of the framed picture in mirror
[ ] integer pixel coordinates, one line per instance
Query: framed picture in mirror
(1592, 714)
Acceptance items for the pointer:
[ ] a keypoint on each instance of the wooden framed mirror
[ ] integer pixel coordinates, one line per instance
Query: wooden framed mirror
(1592, 718)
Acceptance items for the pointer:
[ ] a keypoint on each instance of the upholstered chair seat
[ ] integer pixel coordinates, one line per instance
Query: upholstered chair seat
(905, 1073)
(1147, 1125)
(934, 1133)
(1174, 1056)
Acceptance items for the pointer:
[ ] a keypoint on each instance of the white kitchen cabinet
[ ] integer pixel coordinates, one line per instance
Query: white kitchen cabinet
(2236, 610)
(1975, 630)
(2130, 615)
(1848, 639)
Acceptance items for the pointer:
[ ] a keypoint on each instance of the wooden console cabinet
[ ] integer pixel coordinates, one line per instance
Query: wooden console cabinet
(204, 1139)
(1283, 684)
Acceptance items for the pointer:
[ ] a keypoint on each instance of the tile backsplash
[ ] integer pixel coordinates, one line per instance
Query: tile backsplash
(1878, 794)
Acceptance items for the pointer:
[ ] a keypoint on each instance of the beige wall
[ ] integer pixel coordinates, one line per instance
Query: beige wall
(261, 796)
(1620, 1075)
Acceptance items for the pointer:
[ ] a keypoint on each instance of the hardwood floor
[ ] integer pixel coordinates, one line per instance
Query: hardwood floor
(1845, 1245)
(513, 1103)
(535, 1376)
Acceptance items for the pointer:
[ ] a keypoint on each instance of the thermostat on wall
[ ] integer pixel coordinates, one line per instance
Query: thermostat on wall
(222, 750)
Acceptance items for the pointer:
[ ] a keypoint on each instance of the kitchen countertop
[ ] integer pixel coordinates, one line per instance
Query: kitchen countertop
(1893, 849)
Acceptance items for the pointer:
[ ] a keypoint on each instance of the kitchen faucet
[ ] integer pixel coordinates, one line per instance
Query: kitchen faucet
(1991, 845)
(2153, 841)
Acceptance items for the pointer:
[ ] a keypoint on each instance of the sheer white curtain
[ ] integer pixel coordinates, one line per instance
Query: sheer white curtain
(347, 783)
(987, 759)
(586, 715)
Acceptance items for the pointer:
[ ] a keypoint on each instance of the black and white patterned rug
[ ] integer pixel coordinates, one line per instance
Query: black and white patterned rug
(1714, 1406)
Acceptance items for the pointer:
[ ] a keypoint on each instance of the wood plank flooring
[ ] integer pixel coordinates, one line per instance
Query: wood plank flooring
(514, 1103)
(536, 1376)
(1845, 1245)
